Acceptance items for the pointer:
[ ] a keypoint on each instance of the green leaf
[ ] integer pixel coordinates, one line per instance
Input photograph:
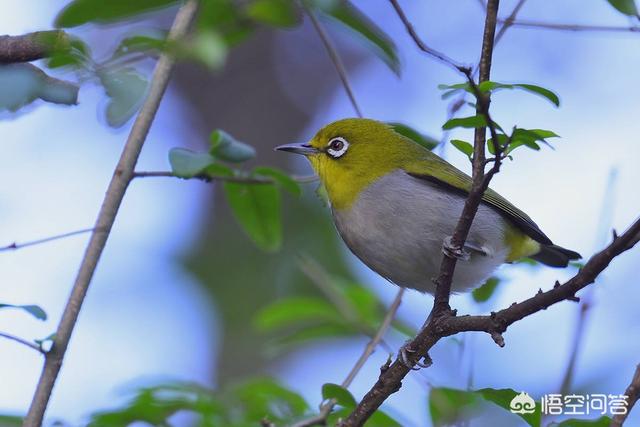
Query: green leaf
(142, 43)
(504, 398)
(216, 170)
(349, 16)
(80, 12)
(447, 405)
(262, 398)
(378, 419)
(463, 146)
(21, 84)
(529, 138)
(489, 86)
(455, 87)
(502, 140)
(126, 89)
(342, 396)
(308, 334)
(421, 139)
(187, 164)
(226, 17)
(256, 207)
(206, 47)
(545, 93)
(277, 13)
(294, 311)
(154, 405)
(465, 122)
(543, 133)
(281, 178)
(484, 292)
(34, 310)
(64, 50)
(603, 421)
(365, 304)
(226, 147)
(627, 7)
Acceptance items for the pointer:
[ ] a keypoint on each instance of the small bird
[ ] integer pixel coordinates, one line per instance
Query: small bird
(396, 204)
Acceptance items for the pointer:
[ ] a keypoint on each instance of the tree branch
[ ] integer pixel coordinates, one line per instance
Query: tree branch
(422, 45)
(32, 46)
(15, 245)
(571, 27)
(495, 324)
(302, 179)
(115, 193)
(335, 58)
(633, 393)
(23, 342)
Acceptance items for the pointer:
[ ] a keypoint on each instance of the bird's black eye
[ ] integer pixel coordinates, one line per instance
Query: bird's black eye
(337, 147)
(337, 144)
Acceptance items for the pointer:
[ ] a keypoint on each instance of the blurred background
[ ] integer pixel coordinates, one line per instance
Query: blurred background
(176, 293)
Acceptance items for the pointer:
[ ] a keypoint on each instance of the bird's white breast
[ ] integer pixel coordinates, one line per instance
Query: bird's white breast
(397, 227)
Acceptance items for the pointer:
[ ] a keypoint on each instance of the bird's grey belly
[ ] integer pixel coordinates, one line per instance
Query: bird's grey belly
(397, 227)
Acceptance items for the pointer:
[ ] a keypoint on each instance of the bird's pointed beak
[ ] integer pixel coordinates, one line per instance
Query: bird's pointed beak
(299, 148)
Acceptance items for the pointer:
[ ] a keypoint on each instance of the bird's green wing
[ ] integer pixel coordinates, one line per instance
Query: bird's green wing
(436, 170)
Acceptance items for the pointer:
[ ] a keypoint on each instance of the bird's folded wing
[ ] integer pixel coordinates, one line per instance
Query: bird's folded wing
(438, 171)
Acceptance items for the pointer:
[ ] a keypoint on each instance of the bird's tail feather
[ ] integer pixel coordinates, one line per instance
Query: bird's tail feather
(555, 256)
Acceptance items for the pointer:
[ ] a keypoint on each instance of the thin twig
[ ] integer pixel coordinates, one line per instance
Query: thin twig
(302, 179)
(115, 193)
(22, 341)
(509, 21)
(422, 45)
(572, 27)
(15, 245)
(335, 58)
(633, 394)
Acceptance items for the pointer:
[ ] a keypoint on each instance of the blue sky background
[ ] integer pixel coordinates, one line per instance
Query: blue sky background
(146, 319)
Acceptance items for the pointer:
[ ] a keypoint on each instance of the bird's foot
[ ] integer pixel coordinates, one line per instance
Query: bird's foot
(403, 355)
(452, 251)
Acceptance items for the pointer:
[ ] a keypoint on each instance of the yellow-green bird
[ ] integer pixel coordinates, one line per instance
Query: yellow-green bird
(396, 204)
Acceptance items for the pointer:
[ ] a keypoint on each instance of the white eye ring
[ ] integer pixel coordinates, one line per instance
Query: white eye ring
(337, 146)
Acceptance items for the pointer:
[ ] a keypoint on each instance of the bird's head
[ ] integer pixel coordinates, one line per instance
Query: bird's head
(350, 154)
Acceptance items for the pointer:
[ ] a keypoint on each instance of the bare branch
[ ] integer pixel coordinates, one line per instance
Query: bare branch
(572, 27)
(302, 179)
(32, 46)
(422, 45)
(22, 341)
(335, 58)
(509, 21)
(633, 393)
(15, 245)
(115, 193)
